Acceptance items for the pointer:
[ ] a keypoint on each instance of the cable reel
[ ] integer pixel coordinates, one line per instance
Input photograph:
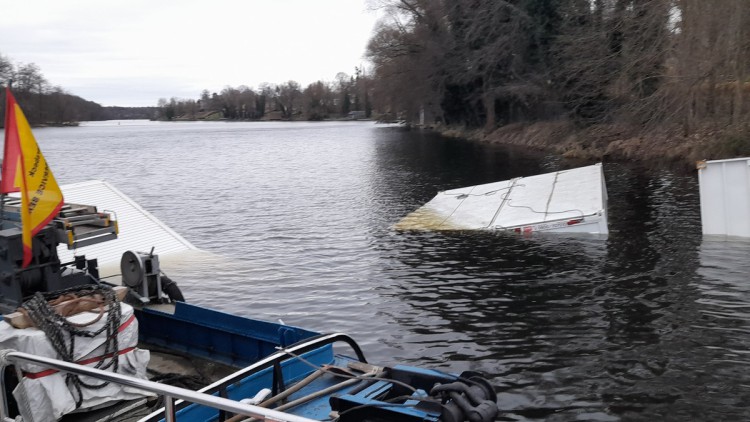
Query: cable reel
(141, 272)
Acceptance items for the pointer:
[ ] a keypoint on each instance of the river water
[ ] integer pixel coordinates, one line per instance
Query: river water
(649, 323)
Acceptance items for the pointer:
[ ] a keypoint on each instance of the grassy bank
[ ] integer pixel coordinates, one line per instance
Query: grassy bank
(618, 143)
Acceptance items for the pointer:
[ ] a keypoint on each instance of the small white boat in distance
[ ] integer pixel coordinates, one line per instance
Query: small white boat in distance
(567, 201)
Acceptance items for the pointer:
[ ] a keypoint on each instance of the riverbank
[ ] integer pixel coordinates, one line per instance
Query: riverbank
(616, 143)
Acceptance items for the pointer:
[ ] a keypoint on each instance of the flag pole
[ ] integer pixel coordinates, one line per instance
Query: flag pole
(5, 128)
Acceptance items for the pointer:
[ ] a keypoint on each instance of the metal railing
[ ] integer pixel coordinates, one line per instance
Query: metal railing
(168, 392)
(273, 360)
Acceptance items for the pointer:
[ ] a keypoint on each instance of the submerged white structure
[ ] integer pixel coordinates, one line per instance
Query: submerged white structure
(725, 197)
(570, 201)
(139, 229)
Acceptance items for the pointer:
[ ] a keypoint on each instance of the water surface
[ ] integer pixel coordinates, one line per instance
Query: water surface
(650, 323)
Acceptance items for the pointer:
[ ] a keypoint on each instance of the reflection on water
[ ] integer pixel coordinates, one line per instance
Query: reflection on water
(650, 323)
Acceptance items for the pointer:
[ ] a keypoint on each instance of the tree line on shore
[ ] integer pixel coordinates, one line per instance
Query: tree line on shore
(346, 97)
(681, 65)
(47, 104)
(646, 64)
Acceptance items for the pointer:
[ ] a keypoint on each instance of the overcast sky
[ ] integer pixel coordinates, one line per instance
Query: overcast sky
(131, 53)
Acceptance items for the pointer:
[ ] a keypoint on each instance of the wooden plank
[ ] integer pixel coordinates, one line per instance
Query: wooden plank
(66, 308)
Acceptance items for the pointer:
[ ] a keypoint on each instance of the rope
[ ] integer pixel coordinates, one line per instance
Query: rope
(547, 212)
(488, 193)
(62, 333)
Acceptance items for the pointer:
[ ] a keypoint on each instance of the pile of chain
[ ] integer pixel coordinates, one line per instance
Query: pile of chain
(62, 333)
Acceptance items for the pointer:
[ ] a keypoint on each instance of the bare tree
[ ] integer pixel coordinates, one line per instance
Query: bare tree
(409, 50)
(29, 78)
(6, 70)
(289, 96)
(492, 40)
(318, 101)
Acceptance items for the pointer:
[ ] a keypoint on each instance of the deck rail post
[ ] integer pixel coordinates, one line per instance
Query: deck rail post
(169, 414)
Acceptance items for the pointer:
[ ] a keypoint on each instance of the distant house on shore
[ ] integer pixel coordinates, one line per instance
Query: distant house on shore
(357, 114)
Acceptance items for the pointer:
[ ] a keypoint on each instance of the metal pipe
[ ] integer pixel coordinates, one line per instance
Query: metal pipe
(287, 352)
(169, 415)
(313, 395)
(319, 393)
(296, 387)
(169, 391)
(293, 389)
(331, 389)
(292, 351)
(3, 396)
(301, 400)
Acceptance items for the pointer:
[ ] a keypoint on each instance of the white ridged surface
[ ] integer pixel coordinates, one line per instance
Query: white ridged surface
(524, 201)
(725, 197)
(139, 229)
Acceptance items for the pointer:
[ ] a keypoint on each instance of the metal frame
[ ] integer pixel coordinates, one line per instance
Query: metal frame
(176, 398)
(170, 393)
(271, 360)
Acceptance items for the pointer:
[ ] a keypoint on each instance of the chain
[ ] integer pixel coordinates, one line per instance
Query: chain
(62, 333)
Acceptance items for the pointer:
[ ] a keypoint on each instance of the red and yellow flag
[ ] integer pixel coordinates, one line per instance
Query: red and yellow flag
(25, 170)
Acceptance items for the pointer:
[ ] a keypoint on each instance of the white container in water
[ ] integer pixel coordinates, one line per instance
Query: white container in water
(566, 201)
(725, 197)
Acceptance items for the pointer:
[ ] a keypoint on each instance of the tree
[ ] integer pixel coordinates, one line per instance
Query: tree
(247, 102)
(410, 51)
(61, 105)
(289, 94)
(167, 109)
(264, 98)
(492, 43)
(230, 102)
(581, 76)
(205, 101)
(28, 78)
(708, 68)
(317, 103)
(6, 70)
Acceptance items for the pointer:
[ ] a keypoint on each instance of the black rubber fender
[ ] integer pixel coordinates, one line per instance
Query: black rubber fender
(171, 289)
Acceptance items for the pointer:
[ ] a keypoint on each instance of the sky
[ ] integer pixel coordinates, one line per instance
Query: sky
(131, 53)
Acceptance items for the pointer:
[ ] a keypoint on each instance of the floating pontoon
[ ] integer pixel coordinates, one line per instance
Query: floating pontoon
(140, 226)
(570, 201)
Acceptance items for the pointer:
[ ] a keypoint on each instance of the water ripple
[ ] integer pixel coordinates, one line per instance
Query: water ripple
(650, 323)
